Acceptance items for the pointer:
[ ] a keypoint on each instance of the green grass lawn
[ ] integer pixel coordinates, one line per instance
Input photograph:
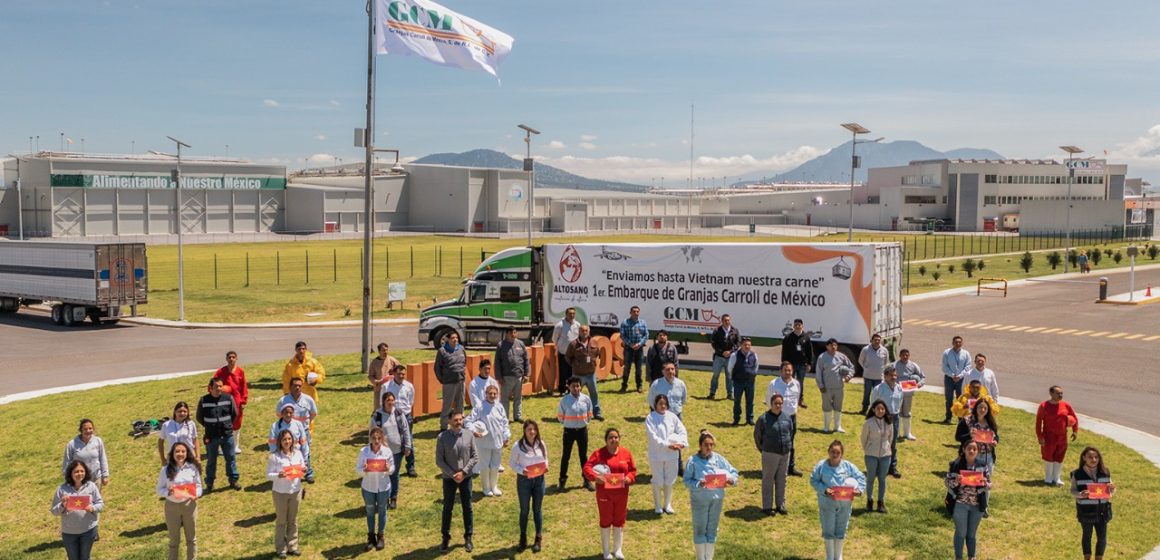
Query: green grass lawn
(1028, 520)
(322, 280)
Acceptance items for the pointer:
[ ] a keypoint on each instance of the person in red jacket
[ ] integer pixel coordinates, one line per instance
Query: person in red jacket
(613, 470)
(1052, 421)
(234, 382)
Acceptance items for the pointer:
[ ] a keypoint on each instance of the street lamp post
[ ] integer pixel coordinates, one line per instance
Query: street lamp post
(180, 226)
(855, 129)
(529, 166)
(1071, 151)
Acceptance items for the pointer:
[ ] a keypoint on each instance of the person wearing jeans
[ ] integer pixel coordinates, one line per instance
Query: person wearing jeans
(834, 471)
(725, 341)
(743, 369)
(456, 457)
(967, 498)
(78, 503)
(375, 465)
(634, 335)
(530, 452)
(878, 443)
(216, 412)
(955, 361)
(404, 393)
(582, 355)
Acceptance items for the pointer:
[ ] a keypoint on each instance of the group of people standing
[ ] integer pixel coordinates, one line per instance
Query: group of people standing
(471, 446)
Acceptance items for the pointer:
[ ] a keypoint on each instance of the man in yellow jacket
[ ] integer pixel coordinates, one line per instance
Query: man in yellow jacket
(974, 391)
(301, 366)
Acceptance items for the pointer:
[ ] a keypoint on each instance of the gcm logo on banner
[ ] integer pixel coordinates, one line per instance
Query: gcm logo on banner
(570, 265)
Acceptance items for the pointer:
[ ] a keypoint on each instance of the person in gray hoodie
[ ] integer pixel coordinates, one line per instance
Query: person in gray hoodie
(451, 370)
(78, 503)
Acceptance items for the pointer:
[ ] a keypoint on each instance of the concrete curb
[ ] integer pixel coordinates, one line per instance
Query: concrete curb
(186, 325)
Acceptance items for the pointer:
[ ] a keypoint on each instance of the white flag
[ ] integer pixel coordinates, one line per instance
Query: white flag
(425, 29)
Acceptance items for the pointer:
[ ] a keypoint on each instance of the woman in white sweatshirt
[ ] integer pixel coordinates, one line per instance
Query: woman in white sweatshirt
(285, 468)
(179, 482)
(666, 438)
(529, 460)
(375, 465)
(490, 441)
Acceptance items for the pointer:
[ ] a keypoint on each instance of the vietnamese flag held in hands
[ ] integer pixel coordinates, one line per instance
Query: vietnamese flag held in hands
(1098, 491)
(535, 470)
(715, 481)
(78, 502)
(185, 491)
(293, 471)
(972, 478)
(842, 493)
(614, 480)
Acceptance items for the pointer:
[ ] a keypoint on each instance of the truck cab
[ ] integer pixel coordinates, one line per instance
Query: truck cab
(499, 293)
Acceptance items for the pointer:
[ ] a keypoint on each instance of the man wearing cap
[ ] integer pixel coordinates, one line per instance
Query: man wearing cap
(306, 367)
(305, 411)
(451, 371)
(512, 367)
(832, 370)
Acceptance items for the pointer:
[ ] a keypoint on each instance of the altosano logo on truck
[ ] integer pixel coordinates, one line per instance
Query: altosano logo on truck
(687, 288)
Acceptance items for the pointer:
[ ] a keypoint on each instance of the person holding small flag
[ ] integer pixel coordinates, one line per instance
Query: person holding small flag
(836, 481)
(78, 503)
(285, 469)
(375, 465)
(969, 482)
(1092, 488)
(529, 460)
(179, 482)
(706, 476)
(614, 471)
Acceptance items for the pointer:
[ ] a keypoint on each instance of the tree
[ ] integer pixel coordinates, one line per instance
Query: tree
(936, 275)
(1153, 251)
(1072, 257)
(1095, 257)
(1026, 262)
(980, 265)
(969, 267)
(1055, 259)
(1107, 252)
(922, 270)
(1117, 256)
(951, 268)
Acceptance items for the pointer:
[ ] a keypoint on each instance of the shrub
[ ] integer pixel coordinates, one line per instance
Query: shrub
(969, 267)
(922, 270)
(1117, 256)
(1153, 251)
(936, 275)
(1026, 262)
(980, 265)
(1055, 259)
(1095, 257)
(950, 268)
(1072, 257)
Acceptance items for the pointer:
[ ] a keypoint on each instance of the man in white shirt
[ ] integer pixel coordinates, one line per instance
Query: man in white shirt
(404, 393)
(983, 375)
(477, 390)
(790, 389)
(955, 361)
(873, 360)
(563, 334)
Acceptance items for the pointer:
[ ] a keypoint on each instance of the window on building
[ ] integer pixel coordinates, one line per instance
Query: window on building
(988, 200)
(989, 178)
(916, 199)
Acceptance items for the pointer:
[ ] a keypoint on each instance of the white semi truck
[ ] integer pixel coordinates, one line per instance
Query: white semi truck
(93, 280)
(847, 291)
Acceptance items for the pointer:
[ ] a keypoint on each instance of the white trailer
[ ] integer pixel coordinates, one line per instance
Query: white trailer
(846, 291)
(94, 280)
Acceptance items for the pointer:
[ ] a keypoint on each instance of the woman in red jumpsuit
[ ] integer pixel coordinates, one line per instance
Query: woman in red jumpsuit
(234, 382)
(614, 470)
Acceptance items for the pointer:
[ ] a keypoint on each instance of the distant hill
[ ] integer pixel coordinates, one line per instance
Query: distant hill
(546, 175)
(834, 165)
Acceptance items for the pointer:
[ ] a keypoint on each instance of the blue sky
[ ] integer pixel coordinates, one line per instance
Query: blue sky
(609, 83)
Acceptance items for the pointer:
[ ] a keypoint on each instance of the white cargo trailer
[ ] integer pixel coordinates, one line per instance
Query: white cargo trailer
(94, 280)
(847, 291)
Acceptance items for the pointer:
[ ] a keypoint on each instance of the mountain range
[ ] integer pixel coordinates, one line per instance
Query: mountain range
(832, 166)
(546, 175)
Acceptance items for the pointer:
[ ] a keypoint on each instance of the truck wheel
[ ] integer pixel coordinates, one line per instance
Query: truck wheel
(440, 335)
(57, 314)
(9, 305)
(68, 320)
(95, 317)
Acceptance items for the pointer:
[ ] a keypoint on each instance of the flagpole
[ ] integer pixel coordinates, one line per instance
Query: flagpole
(368, 222)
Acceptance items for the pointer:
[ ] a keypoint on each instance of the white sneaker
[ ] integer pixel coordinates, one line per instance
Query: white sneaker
(608, 556)
(501, 468)
(497, 491)
(658, 511)
(840, 430)
(619, 555)
(911, 437)
(488, 493)
(669, 511)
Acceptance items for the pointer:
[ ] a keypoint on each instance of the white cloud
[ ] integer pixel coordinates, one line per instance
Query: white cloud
(322, 160)
(557, 145)
(1145, 147)
(335, 103)
(332, 105)
(644, 170)
(587, 137)
(588, 145)
(320, 137)
(269, 103)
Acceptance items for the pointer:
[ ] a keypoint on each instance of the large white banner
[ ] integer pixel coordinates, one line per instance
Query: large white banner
(687, 288)
(425, 29)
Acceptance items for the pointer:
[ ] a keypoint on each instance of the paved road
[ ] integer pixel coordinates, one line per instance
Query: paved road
(1043, 333)
(1048, 333)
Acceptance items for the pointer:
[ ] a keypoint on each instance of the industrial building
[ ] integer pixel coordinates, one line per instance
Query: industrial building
(65, 195)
